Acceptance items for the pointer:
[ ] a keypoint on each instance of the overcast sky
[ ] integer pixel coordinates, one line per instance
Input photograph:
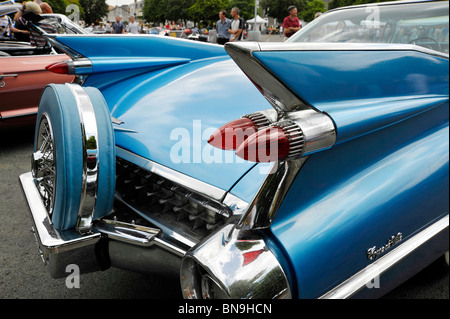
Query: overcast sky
(118, 2)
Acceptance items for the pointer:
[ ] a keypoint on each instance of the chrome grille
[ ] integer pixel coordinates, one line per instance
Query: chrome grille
(167, 204)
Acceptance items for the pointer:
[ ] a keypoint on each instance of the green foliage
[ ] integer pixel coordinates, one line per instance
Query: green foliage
(312, 7)
(343, 3)
(246, 8)
(94, 10)
(207, 11)
(58, 6)
(279, 8)
(154, 11)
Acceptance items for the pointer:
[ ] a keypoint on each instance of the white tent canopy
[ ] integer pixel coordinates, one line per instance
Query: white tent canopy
(260, 23)
(259, 20)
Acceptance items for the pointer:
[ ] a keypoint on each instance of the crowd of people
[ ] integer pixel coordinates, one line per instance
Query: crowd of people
(16, 28)
(228, 29)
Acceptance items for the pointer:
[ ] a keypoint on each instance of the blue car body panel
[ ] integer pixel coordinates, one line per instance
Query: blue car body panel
(363, 90)
(342, 201)
(169, 128)
(173, 129)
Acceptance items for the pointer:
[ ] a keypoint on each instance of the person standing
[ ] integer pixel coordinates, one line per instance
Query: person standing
(5, 27)
(20, 29)
(291, 23)
(237, 25)
(46, 8)
(222, 27)
(133, 26)
(118, 27)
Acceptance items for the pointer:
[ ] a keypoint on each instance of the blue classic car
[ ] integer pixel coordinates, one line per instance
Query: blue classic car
(314, 168)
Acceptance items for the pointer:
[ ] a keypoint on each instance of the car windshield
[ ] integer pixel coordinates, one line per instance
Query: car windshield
(424, 24)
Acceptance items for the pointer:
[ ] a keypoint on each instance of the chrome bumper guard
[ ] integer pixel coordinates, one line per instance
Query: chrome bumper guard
(56, 248)
(98, 249)
(233, 264)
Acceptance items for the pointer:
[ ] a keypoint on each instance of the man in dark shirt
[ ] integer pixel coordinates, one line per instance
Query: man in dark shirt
(118, 26)
(291, 23)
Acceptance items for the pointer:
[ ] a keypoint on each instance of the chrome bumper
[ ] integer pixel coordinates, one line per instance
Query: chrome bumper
(56, 248)
(109, 243)
(237, 262)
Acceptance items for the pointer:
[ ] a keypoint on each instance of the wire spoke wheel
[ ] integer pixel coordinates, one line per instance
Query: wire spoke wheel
(43, 163)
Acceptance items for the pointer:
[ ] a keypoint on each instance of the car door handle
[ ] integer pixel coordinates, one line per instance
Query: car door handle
(8, 76)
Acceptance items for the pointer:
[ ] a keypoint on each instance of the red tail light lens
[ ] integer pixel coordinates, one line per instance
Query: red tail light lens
(58, 67)
(232, 134)
(282, 141)
(267, 145)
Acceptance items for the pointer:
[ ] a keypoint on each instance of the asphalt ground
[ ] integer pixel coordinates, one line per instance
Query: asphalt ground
(24, 276)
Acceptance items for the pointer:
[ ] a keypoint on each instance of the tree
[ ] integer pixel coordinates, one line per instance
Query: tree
(178, 10)
(58, 6)
(207, 10)
(246, 8)
(155, 10)
(312, 7)
(343, 3)
(94, 10)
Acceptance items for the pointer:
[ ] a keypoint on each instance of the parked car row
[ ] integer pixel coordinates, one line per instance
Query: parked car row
(329, 170)
(23, 75)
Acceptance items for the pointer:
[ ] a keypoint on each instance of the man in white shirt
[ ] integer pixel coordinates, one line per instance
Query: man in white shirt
(237, 25)
(133, 26)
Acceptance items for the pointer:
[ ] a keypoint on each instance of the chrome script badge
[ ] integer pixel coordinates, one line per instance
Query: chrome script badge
(372, 253)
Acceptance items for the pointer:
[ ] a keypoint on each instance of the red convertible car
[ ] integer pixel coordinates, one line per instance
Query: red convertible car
(23, 76)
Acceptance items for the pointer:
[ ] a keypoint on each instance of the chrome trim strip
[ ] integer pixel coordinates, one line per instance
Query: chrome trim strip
(8, 76)
(331, 46)
(318, 129)
(267, 201)
(177, 177)
(169, 247)
(50, 240)
(129, 233)
(16, 116)
(355, 283)
(89, 133)
(71, 53)
(280, 97)
(80, 66)
(237, 205)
